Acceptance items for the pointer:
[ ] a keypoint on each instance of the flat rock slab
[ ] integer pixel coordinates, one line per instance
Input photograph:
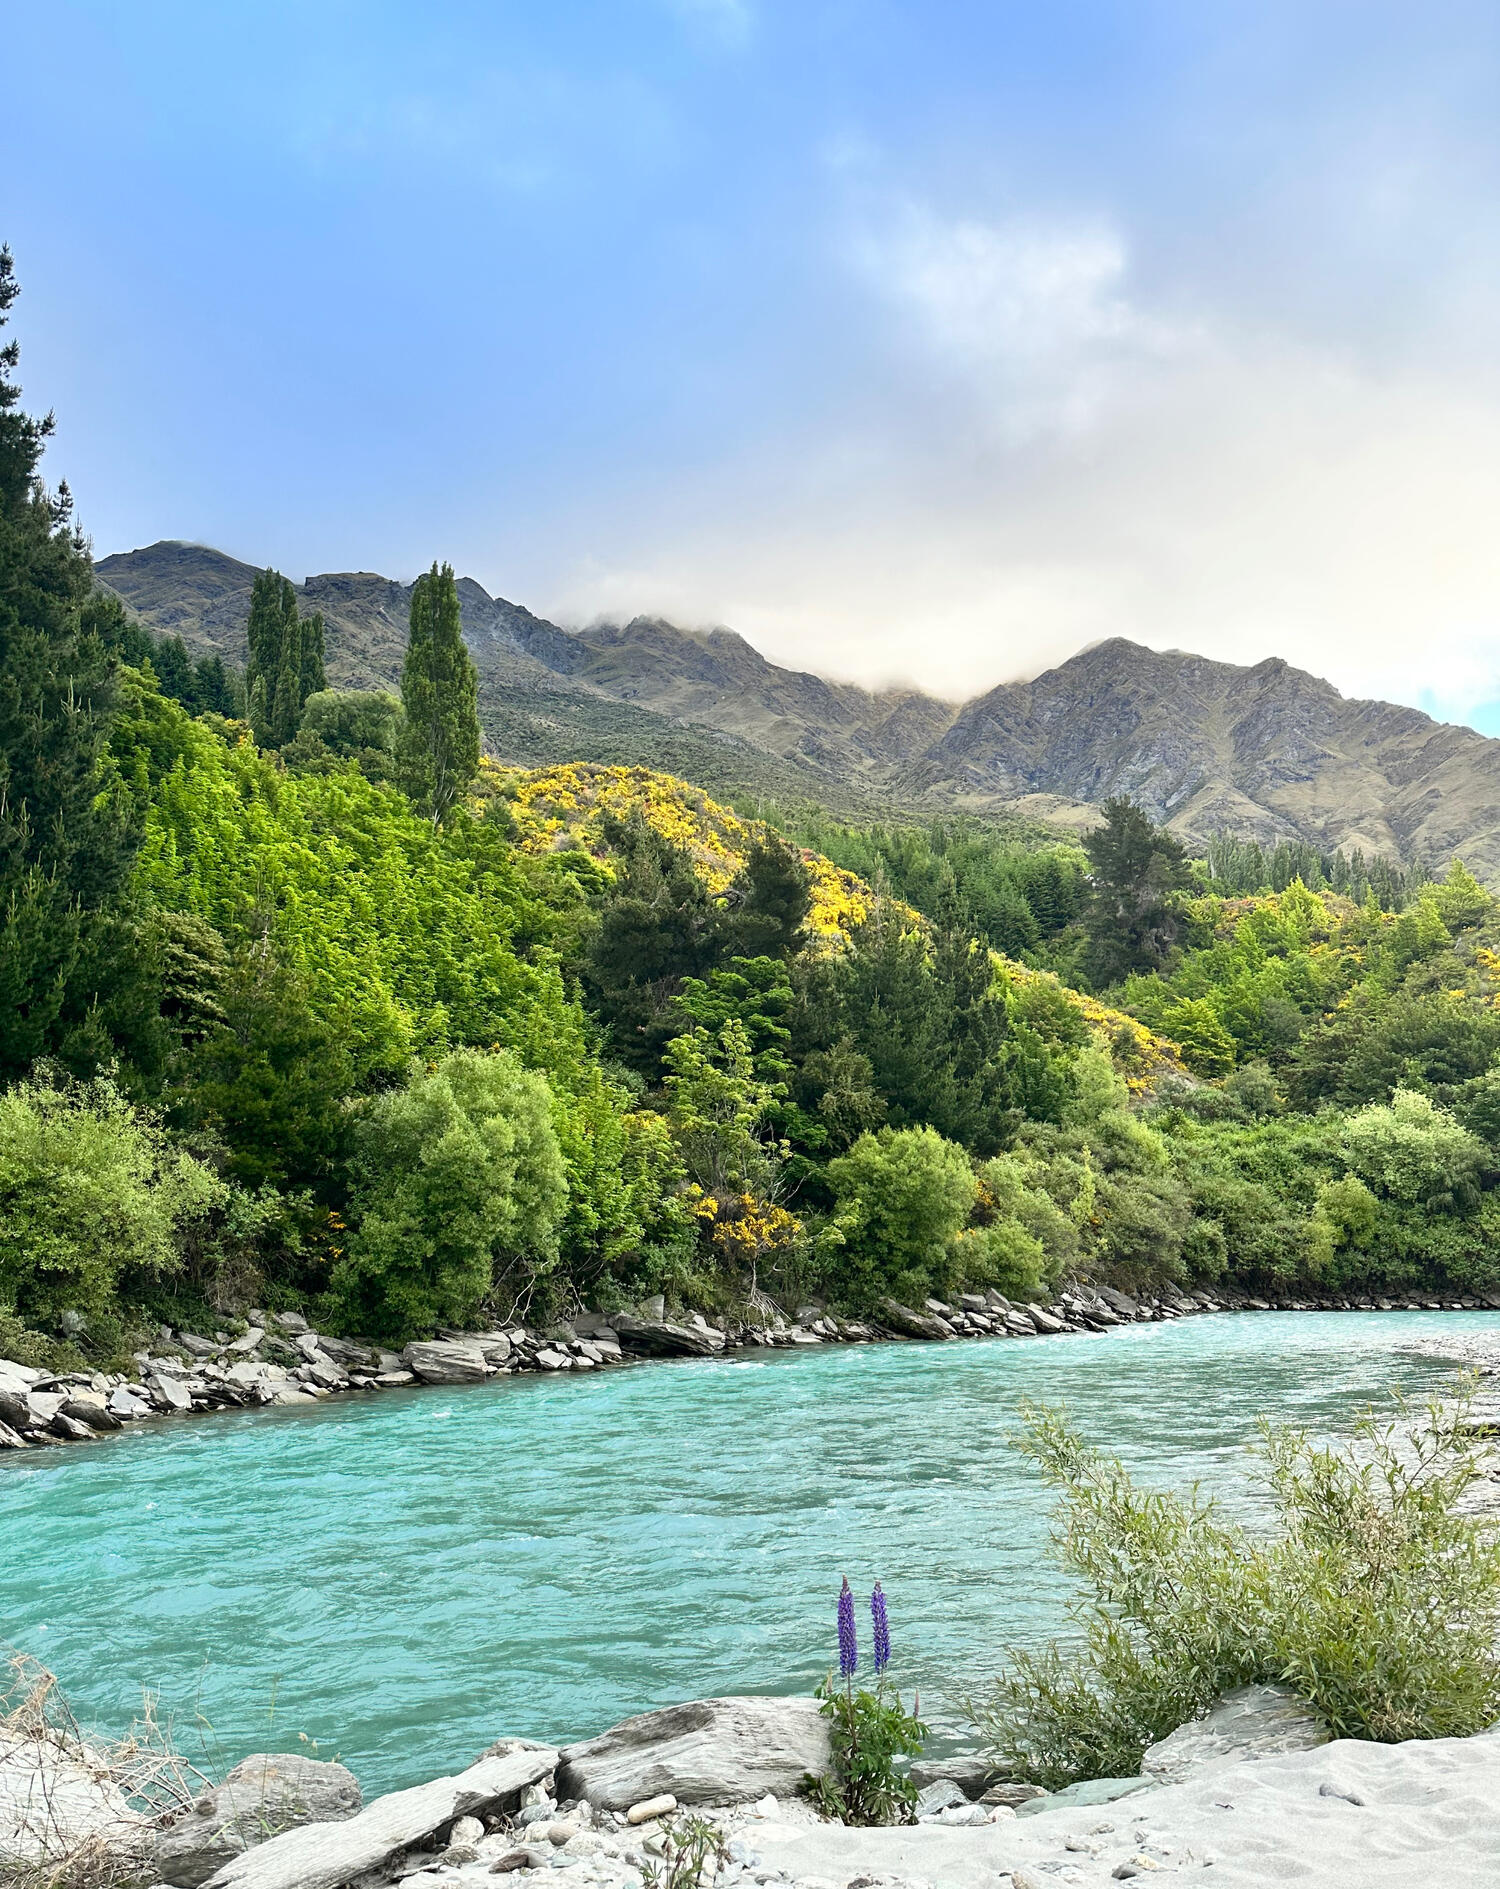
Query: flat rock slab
(327, 1855)
(912, 1323)
(660, 1338)
(446, 1361)
(1252, 1722)
(711, 1751)
(261, 1797)
(1430, 1820)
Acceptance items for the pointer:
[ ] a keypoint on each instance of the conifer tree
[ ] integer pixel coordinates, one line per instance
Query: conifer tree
(66, 841)
(439, 692)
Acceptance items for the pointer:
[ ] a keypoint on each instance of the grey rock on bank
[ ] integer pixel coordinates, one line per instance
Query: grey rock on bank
(260, 1798)
(1253, 1722)
(659, 1338)
(712, 1751)
(447, 1361)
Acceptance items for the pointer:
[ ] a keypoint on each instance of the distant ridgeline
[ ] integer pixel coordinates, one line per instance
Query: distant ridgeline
(334, 1015)
(1269, 754)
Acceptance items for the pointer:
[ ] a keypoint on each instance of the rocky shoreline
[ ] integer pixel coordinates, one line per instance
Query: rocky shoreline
(279, 1360)
(708, 1795)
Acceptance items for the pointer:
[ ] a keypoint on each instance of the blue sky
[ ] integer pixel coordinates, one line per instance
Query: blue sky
(915, 341)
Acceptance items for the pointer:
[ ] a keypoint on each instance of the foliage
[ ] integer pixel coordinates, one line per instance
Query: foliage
(867, 1731)
(284, 660)
(458, 1190)
(343, 725)
(439, 740)
(1375, 1597)
(91, 1191)
(901, 1197)
(694, 1853)
(1134, 869)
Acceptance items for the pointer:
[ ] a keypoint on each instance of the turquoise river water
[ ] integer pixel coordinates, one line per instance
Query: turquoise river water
(406, 1577)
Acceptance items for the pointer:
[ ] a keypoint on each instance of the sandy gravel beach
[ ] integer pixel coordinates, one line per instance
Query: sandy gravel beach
(1348, 1816)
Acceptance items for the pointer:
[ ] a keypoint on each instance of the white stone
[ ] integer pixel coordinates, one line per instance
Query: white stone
(651, 1807)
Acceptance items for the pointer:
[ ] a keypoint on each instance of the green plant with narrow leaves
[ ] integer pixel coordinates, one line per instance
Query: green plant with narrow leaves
(1374, 1596)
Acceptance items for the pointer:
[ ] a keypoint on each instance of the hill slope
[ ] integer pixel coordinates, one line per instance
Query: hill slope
(1267, 753)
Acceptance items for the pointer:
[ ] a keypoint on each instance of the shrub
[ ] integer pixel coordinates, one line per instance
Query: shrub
(1414, 1151)
(458, 1185)
(900, 1198)
(89, 1189)
(1375, 1599)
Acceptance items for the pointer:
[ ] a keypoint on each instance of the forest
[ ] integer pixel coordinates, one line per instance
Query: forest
(305, 1003)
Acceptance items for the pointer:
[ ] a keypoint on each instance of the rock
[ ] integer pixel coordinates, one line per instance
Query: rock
(327, 1855)
(291, 1321)
(963, 1816)
(446, 1361)
(940, 1795)
(496, 1347)
(1252, 1722)
(11, 1439)
(71, 1430)
(18, 1378)
(549, 1360)
(510, 1860)
(971, 1775)
(393, 1380)
(658, 1338)
(347, 1351)
(651, 1807)
(1098, 1790)
(55, 1794)
(15, 1407)
(260, 1798)
(913, 1324)
(196, 1346)
(170, 1393)
(654, 1308)
(252, 1341)
(465, 1830)
(1118, 1302)
(127, 1406)
(89, 1408)
(1046, 1321)
(710, 1751)
(1012, 1796)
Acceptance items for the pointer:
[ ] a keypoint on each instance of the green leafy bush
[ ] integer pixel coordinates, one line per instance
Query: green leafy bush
(1374, 1597)
(90, 1189)
(458, 1185)
(901, 1196)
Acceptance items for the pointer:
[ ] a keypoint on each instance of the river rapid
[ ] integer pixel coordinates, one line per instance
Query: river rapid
(403, 1579)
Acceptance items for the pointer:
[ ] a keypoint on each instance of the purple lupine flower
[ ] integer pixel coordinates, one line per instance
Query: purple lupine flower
(882, 1630)
(848, 1650)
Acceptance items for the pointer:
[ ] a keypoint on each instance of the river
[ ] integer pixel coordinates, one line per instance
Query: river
(402, 1579)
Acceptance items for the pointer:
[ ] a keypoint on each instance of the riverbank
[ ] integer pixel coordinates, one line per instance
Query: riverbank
(279, 1360)
(710, 1793)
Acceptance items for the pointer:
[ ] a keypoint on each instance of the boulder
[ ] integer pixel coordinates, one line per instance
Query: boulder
(260, 1797)
(88, 1407)
(1046, 1321)
(659, 1338)
(913, 1324)
(329, 1854)
(1118, 1301)
(973, 1776)
(1252, 1722)
(938, 1796)
(15, 1409)
(170, 1393)
(446, 1361)
(55, 1795)
(711, 1751)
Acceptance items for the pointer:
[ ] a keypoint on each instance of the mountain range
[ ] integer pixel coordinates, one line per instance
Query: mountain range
(1264, 753)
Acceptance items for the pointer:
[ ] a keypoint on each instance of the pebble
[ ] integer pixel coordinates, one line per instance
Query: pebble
(651, 1807)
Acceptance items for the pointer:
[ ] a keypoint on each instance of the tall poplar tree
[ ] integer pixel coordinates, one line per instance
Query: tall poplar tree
(283, 662)
(439, 692)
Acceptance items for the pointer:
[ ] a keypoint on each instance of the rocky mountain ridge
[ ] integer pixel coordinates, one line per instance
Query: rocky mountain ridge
(1266, 753)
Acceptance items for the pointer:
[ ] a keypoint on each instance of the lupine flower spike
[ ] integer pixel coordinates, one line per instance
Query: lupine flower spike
(848, 1650)
(882, 1630)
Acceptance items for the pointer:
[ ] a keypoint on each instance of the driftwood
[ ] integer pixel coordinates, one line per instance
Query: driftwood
(326, 1855)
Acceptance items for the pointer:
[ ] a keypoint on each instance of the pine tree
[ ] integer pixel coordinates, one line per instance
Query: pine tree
(66, 840)
(439, 692)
